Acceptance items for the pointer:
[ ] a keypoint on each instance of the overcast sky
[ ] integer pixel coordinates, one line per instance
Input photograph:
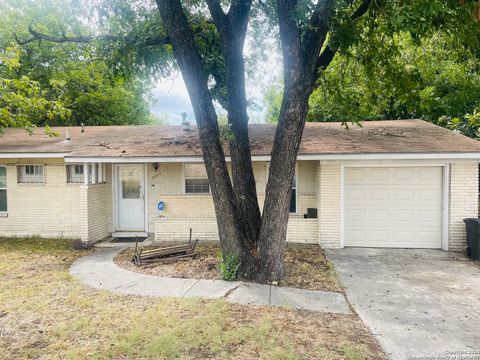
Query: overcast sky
(170, 99)
(170, 96)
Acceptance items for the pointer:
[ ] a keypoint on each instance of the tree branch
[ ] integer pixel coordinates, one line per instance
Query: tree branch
(238, 13)
(317, 29)
(361, 10)
(219, 17)
(150, 41)
(325, 59)
(327, 55)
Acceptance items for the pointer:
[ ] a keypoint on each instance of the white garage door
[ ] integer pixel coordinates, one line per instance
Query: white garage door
(393, 207)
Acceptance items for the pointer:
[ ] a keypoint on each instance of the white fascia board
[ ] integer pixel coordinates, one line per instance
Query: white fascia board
(31, 155)
(391, 156)
(189, 159)
(132, 159)
(148, 159)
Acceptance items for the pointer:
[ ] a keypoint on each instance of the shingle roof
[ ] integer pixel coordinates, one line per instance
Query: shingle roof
(394, 136)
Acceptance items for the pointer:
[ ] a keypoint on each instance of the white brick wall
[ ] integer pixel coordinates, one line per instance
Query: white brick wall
(177, 229)
(55, 208)
(49, 210)
(96, 222)
(328, 200)
(463, 201)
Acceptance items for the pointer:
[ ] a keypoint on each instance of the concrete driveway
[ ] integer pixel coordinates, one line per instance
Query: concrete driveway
(416, 302)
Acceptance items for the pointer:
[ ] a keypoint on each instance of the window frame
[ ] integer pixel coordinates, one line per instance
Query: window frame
(185, 178)
(4, 212)
(69, 172)
(22, 183)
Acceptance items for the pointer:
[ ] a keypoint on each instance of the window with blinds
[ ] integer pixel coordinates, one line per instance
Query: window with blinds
(196, 180)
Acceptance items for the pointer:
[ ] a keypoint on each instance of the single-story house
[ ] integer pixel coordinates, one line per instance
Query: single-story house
(402, 183)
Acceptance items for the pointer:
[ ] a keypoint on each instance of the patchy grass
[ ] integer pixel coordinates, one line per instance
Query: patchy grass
(305, 268)
(47, 314)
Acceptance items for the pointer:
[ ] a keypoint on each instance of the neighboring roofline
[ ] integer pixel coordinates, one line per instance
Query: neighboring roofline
(363, 156)
(32, 155)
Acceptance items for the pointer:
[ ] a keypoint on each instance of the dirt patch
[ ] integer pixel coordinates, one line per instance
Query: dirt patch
(305, 268)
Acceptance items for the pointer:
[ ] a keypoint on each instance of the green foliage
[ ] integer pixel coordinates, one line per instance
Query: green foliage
(226, 134)
(273, 100)
(409, 59)
(46, 83)
(433, 79)
(23, 102)
(228, 266)
(469, 124)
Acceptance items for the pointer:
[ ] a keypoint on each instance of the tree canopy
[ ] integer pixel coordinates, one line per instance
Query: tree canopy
(432, 75)
(62, 83)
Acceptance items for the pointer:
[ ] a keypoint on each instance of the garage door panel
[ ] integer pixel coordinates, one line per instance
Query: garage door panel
(403, 236)
(355, 195)
(375, 215)
(379, 175)
(429, 194)
(404, 194)
(404, 174)
(429, 173)
(356, 215)
(393, 207)
(404, 215)
(356, 175)
(379, 194)
(429, 216)
(356, 236)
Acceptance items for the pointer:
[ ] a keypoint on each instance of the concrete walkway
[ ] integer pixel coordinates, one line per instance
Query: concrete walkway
(416, 302)
(98, 270)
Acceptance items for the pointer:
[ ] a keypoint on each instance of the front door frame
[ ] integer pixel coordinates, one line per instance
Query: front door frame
(115, 199)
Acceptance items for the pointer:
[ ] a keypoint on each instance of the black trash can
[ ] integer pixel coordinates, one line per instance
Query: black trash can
(473, 237)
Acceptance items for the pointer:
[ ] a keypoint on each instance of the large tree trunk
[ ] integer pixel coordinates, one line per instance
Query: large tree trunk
(288, 136)
(242, 170)
(232, 29)
(190, 63)
(260, 240)
(273, 231)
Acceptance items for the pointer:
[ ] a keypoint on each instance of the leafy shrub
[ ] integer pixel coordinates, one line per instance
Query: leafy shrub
(228, 266)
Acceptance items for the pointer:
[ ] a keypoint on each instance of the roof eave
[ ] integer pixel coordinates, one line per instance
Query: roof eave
(363, 156)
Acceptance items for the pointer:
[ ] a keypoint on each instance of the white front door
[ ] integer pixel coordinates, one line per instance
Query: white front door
(130, 197)
(393, 207)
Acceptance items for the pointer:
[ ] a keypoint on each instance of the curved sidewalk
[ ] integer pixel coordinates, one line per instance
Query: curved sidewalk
(98, 270)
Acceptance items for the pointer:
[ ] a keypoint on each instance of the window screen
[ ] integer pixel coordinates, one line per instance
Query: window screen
(30, 174)
(200, 186)
(75, 174)
(196, 180)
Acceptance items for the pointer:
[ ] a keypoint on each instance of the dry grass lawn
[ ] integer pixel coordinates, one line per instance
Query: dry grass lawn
(305, 268)
(47, 314)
